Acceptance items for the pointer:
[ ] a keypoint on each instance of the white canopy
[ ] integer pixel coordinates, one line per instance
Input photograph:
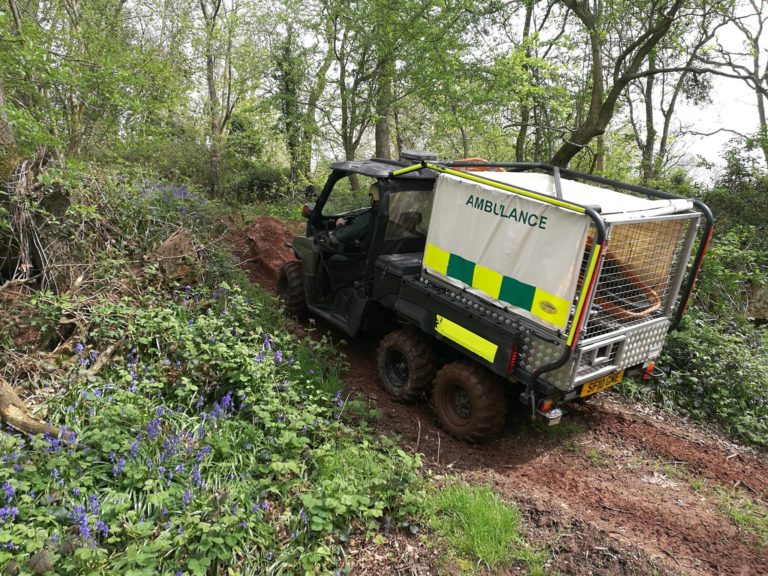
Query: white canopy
(611, 204)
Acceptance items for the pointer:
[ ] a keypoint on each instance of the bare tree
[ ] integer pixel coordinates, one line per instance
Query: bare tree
(676, 76)
(750, 65)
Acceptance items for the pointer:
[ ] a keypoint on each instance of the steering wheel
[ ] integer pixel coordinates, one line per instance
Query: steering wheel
(327, 246)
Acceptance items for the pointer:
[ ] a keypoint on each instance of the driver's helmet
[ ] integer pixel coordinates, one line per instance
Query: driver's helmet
(373, 192)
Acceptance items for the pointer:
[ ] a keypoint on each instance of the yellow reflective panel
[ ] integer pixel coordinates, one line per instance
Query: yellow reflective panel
(469, 340)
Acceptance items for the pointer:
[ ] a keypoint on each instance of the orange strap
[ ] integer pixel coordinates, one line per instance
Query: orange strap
(478, 168)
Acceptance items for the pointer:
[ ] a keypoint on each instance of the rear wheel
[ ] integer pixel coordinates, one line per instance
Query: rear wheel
(469, 401)
(406, 363)
(290, 288)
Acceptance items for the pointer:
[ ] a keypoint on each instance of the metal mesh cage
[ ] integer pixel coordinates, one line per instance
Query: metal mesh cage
(639, 273)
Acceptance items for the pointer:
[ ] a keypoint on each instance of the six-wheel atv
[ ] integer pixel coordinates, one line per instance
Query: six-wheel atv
(489, 274)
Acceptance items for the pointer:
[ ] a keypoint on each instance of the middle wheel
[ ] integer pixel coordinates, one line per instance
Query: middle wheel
(469, 401)
(406, 362)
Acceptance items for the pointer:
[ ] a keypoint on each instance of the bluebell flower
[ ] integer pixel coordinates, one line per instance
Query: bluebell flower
(8, 513)
(80, 516)
(102, 528)
(94, 504)
(187, 497)
(79, 347)
(153, 428)
(278, 356)
(8, 491)
(118, 467)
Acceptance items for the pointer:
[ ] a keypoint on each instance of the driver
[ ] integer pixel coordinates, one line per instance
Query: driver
(359, 228)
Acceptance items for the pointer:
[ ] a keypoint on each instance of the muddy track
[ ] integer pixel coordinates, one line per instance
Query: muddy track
(616, 489)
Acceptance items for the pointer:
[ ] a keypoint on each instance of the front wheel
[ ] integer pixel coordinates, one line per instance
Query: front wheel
(406, 363)
(290, 288)
(469, 401)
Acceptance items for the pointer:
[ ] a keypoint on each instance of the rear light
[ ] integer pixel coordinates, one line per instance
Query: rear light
(546, 406)
(648, 371)
(512, 360)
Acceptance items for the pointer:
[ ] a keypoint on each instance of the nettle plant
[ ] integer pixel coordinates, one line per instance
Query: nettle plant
(209, 444)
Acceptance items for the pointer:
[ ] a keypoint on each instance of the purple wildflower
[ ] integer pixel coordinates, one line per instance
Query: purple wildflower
(153, 428)
(80, 516)
(118, 467)
(79, 347)
(8, 513)
(94, 503)
(102, 528)
(8, 491)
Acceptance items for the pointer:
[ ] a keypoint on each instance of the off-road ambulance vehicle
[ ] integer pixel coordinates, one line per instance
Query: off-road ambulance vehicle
(498, 274)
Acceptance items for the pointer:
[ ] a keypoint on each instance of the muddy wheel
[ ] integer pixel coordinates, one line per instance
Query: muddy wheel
(290, 288)
(469, 401)
(406, 362)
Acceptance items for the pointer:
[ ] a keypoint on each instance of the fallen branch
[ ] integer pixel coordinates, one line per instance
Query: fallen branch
(16, 414)
(17, 282)
(101, 361)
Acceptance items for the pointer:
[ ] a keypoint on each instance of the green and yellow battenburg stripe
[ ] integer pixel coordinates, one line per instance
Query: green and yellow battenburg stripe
(538, 302)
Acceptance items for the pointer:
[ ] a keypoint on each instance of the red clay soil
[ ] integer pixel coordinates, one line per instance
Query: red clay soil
(615, 489)
(265, 245)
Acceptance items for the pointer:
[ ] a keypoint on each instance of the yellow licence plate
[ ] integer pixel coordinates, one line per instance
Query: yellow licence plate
(601, 383)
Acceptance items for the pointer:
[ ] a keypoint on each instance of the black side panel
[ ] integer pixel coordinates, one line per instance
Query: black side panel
(421, 306)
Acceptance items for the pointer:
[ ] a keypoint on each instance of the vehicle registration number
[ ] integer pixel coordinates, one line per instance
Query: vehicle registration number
(601, 383)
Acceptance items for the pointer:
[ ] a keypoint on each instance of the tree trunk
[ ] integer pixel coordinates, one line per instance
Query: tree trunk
(214, 106)
(7, 140)
(600, 155)
(593, 125)
(647, 163)
(382, 131)
(525, 108)
(310, 123)
(213, 111)
(385, 73)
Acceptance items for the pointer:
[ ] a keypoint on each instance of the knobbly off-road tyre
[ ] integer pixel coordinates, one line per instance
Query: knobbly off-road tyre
(290, 288)
(469, 401)
(406, 363)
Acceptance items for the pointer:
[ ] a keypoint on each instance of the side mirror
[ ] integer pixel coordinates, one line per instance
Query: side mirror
(309, 192)
(306, 210)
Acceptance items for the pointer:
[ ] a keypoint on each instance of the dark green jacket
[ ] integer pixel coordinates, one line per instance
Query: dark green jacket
(359, 229)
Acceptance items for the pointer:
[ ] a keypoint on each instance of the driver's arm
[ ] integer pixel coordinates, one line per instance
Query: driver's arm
(354, 230)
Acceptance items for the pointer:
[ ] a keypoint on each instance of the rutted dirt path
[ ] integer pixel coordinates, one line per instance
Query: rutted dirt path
(615, 489)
